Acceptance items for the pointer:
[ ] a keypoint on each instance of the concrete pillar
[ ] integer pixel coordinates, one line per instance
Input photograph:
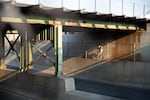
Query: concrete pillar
(58, 49)
(2, 51)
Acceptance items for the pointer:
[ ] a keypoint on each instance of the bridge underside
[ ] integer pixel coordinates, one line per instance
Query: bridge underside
(62, 27)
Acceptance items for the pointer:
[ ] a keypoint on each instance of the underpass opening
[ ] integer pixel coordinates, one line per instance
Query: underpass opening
(80, 46)
(90, 24)
(126, 76)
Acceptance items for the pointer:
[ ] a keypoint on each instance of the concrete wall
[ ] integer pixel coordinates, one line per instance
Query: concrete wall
(124, 47)
(76, 43)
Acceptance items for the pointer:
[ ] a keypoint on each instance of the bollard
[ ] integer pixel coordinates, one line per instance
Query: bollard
(134, 51)
(86, 54)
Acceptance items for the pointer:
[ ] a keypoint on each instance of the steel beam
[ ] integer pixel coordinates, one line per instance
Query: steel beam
(12, 47)
(67, 22)
(22, 54)
(29, 55)
(25, 54)
(58, 49)
(2, 52)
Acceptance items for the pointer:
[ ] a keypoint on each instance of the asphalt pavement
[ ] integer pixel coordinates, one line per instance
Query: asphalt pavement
(9, 95)
(122, 79)
(112, 90)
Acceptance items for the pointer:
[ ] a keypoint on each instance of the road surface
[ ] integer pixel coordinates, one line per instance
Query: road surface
(8, 95)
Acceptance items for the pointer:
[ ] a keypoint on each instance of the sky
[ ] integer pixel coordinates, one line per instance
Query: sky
(136, 8)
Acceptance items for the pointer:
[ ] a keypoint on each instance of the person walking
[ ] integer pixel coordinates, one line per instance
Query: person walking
(100, 55)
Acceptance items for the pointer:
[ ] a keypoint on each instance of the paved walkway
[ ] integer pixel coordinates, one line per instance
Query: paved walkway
(70, 66)
(6, 74)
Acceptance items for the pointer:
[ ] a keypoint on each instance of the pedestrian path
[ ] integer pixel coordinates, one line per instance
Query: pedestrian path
(70, 66)
(6, 74)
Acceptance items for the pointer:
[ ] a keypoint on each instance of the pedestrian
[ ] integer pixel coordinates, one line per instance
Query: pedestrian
(100, 53)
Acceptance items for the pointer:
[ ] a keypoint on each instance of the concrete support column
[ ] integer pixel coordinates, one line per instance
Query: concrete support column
(58, 49)
(2, 51)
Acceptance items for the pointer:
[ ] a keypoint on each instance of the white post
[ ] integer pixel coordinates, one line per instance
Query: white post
(134, 47)
(86, 54)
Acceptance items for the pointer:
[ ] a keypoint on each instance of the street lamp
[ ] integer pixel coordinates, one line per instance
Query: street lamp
(109, 6)
(122, 7)
(95, 6)
(62, 3)
(39, 2)
(79, 4)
